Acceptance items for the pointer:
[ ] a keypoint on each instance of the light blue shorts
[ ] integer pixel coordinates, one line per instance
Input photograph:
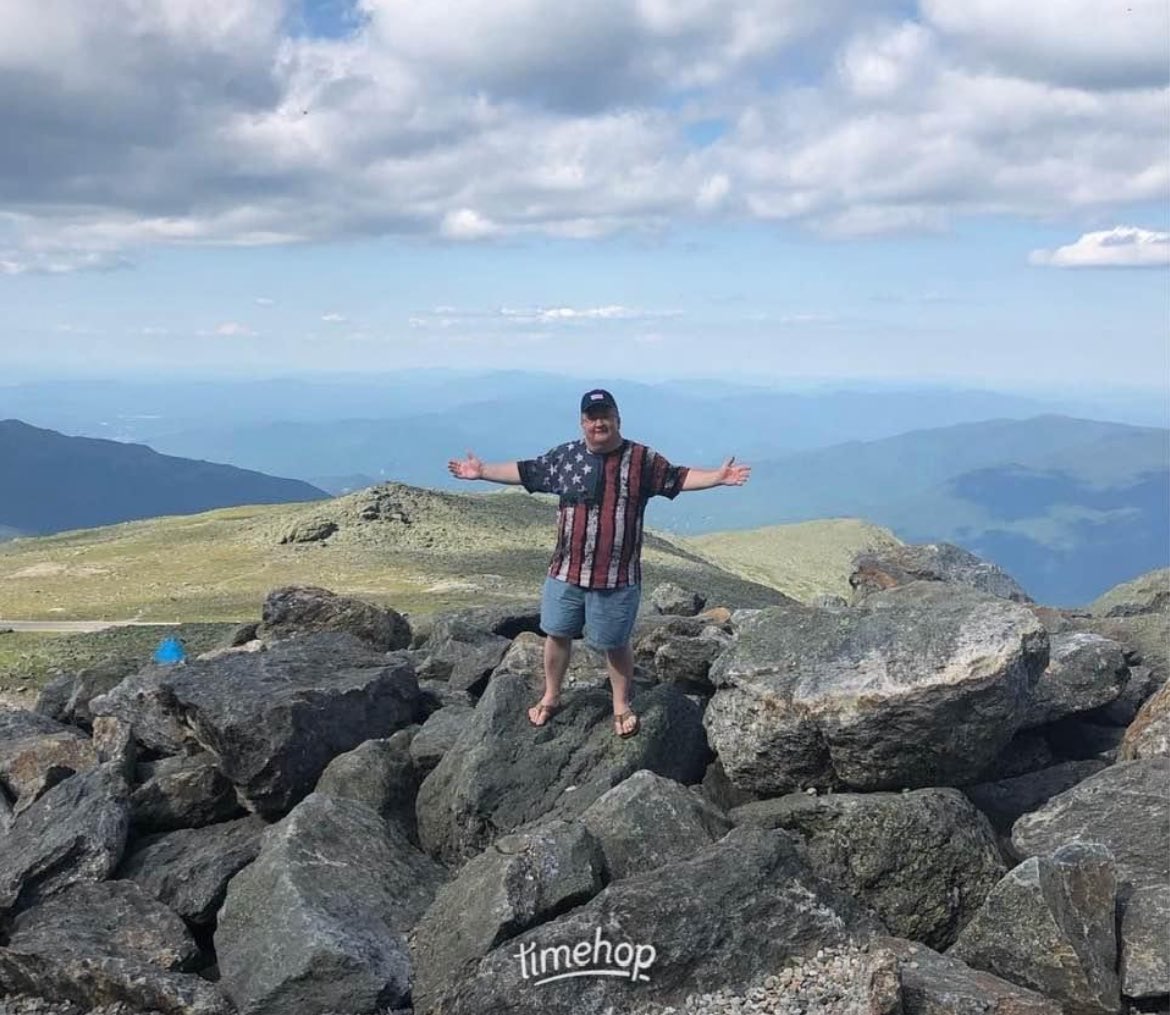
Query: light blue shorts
(605, 616)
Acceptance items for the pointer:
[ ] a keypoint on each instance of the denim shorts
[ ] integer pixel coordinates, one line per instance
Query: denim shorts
(605, 616)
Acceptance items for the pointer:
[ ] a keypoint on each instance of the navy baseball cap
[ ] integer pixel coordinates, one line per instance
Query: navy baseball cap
(598, 398)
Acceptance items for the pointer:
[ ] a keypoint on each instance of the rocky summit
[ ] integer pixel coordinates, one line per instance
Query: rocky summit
(939, 799)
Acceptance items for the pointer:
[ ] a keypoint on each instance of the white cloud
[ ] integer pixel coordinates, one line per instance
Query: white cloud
(233, 329)
(333, 318)
(553, 315)
(265, 301)
(468, 224)
(1120, 247)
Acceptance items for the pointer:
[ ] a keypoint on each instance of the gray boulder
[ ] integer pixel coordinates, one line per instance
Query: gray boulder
(517, 882)
(1008, 800)
(318, 921)
(76, 832)
(1148, 736)
(275, 719)
(670, 598)
(682, 654)
(37, 752)
(647, 821)
(1050, 926)
(182, 791)
(737, 909)
(922, 686)
(525, 657)
(1028, 751)
(923, 861)
(1125, 807)
(100, 943)
(1145, 944)
(721, 791)
(1085, 671)
(934, 984)
(66, 698)
(143, 700)
(188, 870)
(297, 610)
(438, 735)
(380, 774)
(463, 651)
(504, 773)
(1140, 684)
(1148, 593)
(890, 567)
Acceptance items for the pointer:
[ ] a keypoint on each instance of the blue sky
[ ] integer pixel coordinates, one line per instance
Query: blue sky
(955, 190)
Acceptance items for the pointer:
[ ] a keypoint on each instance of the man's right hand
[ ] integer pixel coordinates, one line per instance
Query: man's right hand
(466, 468)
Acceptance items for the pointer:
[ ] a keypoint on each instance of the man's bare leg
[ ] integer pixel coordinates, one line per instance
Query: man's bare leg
(557, 651)
(619, 663)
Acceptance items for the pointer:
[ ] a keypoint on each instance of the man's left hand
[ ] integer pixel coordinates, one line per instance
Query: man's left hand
(731, 474)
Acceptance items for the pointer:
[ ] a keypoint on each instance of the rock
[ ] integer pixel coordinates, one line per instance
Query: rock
(829, 601)
(114, 744)
(1077, 740)
(5, 812)
(1028, 751)
(185, 791)
(672, 653)
(276, 719)
(66, 698)
(1140, 684)
(1145, 943)
(143, 700)
(1145, 638)
(721, 791)
(436, 694)
(924, 861)
(462, 652)
(1149, 593)
(671, 598)
(318, 921)
(507, 773)
(380, 774)
(188, 870)
(1148, 736)
(525, 656)
(438, 735)
(310, 530)
(922, 686)
(646, 821)
(1007, 800)
(1125, 807)
(934, 984)
(517, 882)
(740, 908)
(296, 610)
(76, 832)
(1085, 671)
(36, 753)
(880, 570)
(1049, 925)
(97, 943)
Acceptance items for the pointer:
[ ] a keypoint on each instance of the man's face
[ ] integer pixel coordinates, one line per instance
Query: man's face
(602, 429)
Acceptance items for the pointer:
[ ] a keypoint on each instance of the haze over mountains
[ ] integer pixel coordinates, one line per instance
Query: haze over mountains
(1067, 505)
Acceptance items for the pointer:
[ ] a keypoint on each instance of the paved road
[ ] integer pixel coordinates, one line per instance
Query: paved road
(77, 626)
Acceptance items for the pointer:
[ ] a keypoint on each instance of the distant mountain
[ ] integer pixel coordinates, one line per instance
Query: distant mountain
(50, 482)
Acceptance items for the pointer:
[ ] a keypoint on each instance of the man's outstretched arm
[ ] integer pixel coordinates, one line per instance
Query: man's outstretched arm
(728, 474)
(472, 468)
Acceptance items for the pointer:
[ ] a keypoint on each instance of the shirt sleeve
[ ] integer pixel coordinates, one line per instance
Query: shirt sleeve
(664, 479)
(541, 474)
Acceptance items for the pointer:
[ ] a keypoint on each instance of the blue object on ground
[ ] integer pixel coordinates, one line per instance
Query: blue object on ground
(170, 650)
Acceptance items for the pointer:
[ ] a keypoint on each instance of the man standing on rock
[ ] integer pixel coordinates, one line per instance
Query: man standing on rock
(594, 582)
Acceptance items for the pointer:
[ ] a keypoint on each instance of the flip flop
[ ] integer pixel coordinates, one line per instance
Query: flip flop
(619, 721)
(545, 714)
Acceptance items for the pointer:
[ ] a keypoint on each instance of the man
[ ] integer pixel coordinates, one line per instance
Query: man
(594, 581)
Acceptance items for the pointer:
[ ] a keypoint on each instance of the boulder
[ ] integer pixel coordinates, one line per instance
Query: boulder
(1007, 800)
(1076, 739)
(736, 910)
(505, 773)
(924, 861)
(143, 700)
(438, 735)
(66, 698)
(276, 719)
(670, 598)
(922, 686)
(114, 744)
(1145, 638)
(1125, 807)
(5, 812)
(183, 791)
(1148, 593)
(100, 943)
(188, 870)
(1140, 684)
(318, 921)
(1148, 736)
(380, 774)
(75, 832)
(647, 821)
(934, 984)
(297, 610)
(683, 657)
(1050, 925)
(37, 752)
(721, 791)
(525, 656)
(1145, 944)
(1085, 671)
(890, 567)
(516, 883)
(1028, 751)
(462, 651)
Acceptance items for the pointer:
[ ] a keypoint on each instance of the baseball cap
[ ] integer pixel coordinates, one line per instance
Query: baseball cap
(598, 398)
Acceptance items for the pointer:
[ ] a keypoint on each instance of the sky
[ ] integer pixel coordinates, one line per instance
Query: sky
(952, 191)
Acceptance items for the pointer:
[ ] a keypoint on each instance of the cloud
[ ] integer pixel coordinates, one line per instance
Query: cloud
(264, 301)
(333, 318)
(553, 315)
(1120, 247)
(467, 224)
(233, 329)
